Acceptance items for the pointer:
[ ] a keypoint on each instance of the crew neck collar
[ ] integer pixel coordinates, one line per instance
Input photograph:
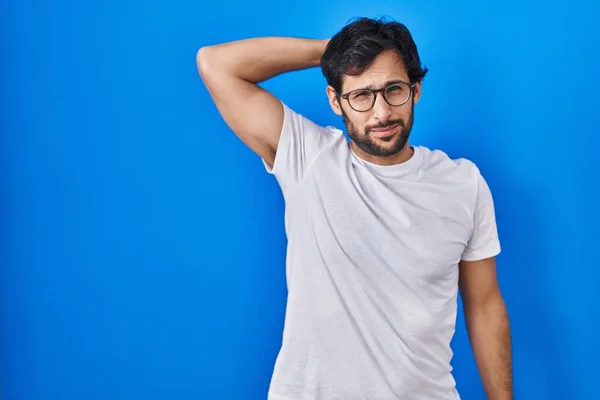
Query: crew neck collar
(394, 169)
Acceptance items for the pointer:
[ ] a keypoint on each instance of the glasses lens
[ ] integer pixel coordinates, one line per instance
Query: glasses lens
(361, 100)
(397, 94)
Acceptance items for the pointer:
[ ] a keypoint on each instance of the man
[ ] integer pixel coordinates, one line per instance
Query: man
(381, 234)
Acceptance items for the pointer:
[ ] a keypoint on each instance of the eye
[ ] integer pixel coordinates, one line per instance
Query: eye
(394, 88)
(363, 93)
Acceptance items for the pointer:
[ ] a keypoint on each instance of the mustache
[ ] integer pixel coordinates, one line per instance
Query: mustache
(383, 125)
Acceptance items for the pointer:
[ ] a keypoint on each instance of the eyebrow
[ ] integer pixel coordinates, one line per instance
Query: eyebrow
(386, 84)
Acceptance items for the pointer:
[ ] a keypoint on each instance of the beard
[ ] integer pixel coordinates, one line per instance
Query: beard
(372, 145)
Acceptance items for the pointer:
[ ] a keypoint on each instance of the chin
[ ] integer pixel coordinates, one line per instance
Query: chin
(390, 139)
(392, 145)
(389, 142)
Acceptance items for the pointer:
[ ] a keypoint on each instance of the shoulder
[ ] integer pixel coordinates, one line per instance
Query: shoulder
(299, 123)
(438, 161)
(301, 144)
(461, 174)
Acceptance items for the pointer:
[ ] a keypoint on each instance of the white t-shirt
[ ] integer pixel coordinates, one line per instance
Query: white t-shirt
(372, 267)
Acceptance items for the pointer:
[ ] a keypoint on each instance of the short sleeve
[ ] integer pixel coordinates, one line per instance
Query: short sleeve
(300, 144)
(484, 241)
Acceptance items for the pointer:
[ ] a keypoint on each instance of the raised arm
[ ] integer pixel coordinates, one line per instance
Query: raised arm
(231, 73)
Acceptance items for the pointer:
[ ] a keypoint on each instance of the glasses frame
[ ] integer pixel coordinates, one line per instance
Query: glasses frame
(375, 92)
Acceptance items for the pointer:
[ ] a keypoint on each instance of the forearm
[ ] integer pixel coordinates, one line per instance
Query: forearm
(489, 333)
(256, 60)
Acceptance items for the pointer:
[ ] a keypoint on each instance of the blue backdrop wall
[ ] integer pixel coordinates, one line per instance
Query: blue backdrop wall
(143, 245)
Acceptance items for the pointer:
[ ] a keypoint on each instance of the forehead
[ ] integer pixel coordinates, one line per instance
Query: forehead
(386, 67)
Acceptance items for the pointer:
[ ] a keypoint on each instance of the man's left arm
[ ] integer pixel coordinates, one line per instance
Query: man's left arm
(488, 326)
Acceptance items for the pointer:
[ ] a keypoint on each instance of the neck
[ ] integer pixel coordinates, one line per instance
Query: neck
(402, 156)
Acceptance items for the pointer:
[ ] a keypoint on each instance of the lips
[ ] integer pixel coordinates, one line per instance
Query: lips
(384, 132)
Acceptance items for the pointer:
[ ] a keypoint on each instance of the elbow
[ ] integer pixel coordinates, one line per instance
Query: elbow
(205, 59)
(490, 305)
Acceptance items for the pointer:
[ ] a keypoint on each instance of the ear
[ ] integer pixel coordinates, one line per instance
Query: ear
(417, 92)
(334, 100)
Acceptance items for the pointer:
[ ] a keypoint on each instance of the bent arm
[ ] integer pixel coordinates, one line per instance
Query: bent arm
(231, 73)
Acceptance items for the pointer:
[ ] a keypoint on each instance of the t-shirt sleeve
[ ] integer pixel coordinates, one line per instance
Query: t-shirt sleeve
(300, 144)
(484, 241)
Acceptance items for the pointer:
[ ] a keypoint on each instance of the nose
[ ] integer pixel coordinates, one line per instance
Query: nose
(382, 111)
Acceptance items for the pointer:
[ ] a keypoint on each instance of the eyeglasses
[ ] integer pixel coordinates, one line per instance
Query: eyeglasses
(395, 94)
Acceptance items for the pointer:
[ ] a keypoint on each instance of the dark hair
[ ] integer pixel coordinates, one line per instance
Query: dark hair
(352, 50)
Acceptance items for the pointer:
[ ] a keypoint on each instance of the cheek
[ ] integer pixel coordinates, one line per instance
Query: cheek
(360, 122)
(403, 113)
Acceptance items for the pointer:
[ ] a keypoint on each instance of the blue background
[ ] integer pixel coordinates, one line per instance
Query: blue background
(142, 244)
